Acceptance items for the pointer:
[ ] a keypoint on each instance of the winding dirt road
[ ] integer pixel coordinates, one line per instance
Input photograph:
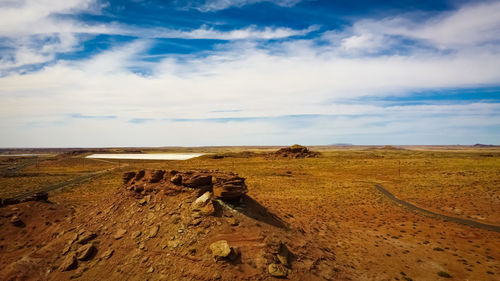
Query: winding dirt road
(412, 207)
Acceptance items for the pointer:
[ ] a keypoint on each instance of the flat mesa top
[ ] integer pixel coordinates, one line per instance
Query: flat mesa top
(140, 156)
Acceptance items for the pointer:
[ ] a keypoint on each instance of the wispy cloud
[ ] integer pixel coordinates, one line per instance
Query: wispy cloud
(140, 120)
(216, 5)
(34, 32)
(83, 116)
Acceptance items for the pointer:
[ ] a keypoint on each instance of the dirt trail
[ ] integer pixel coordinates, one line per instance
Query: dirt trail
(412, 207)
(19, 166)
(52, 187)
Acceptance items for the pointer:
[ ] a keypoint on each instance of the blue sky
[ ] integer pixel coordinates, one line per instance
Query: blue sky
(84, 73)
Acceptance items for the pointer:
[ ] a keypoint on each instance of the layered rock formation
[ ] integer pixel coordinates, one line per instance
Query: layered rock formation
(226, 186)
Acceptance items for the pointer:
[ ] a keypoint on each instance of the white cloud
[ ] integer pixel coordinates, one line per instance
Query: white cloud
(292, 78)
(216, 5)
(471, 25)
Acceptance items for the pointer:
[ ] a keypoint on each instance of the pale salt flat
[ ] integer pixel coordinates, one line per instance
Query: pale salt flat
(153, 156)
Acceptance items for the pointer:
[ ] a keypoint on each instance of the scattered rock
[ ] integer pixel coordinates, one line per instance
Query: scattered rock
(119, 233)
(86, 252)
(69, 263)
(220, 250)
(136, 234)
(277, 270)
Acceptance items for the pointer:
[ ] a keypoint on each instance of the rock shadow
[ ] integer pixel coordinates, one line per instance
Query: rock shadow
(253, 209)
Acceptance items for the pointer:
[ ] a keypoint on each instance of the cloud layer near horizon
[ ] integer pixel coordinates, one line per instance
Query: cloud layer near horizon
(258, 85)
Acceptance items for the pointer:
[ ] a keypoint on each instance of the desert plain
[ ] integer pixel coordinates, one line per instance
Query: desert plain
(299, 217)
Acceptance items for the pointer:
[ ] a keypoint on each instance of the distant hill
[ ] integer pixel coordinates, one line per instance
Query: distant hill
(483, 145)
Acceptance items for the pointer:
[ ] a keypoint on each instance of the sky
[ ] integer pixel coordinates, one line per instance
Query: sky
(97, 73)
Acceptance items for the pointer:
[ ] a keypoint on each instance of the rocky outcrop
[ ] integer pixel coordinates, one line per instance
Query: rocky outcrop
(225, 186)
(295, 151)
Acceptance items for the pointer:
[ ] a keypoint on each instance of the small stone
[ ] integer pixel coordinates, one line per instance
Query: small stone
(73, 238)
(107, 254)
(16, 221)
(232, 221)
(176, 179)
(136, 234)
(208, 210)
(151, 270)
(66, 249)
(142, 202)
(173, 244)
(86, 237)
(195, 222)
(69, 263)
(86, 252)
(277, 270)
(201, 201)
(220, 249)
(154, 231)
(119, 233)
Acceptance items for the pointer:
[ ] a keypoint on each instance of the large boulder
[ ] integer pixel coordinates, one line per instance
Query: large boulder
(229, 187)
